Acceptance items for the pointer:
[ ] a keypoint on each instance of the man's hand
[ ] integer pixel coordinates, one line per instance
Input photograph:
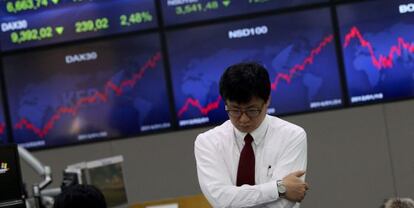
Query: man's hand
(295, 187)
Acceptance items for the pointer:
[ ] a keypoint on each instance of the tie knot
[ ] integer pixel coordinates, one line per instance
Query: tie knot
(248, 139)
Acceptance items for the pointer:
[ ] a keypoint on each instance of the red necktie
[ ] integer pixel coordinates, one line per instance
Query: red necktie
(245, 172)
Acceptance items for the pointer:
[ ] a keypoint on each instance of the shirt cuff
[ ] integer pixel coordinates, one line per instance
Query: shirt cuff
(269, 191)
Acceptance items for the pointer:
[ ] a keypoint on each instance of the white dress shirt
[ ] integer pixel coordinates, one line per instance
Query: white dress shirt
(280, 148)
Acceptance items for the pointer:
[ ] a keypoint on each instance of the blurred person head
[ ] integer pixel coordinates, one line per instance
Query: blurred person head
(398, 203)
(80, 196)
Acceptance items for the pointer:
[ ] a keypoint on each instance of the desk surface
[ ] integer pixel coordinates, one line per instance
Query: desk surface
(196, 201)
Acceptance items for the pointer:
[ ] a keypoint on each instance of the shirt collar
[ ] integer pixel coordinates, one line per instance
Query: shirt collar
(257, 134)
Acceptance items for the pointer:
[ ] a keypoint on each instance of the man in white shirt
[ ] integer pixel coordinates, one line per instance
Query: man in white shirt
(266, 172)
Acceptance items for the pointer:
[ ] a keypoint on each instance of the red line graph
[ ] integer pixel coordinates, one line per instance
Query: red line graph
(300, 67)
(196, 103)
(280, 76)
(383, 61)
(2, 127)
(99, 96)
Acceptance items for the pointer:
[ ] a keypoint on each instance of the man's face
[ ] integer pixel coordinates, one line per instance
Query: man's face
(246, 117)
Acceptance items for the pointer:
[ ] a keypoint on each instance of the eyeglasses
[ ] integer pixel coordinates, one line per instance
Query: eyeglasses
(237, 113)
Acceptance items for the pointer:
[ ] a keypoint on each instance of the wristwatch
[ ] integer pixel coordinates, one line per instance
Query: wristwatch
(281, 188)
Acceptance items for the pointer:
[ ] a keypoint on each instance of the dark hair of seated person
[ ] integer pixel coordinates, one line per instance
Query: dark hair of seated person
(80, 196)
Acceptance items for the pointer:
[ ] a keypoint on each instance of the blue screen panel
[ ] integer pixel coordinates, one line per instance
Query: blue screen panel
(94, 91)
(378, 50)
(184, 11)
(298, 50)
(28, 23)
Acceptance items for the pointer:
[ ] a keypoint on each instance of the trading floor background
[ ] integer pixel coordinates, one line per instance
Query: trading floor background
(357, 157)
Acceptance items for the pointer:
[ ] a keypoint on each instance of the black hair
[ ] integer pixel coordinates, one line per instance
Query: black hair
(241, 82)
(80, 196)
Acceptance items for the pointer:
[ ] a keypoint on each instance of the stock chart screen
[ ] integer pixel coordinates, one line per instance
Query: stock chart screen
(180, 11)
(298, 50)
(91, 91)
(28, 23)
(378, 49)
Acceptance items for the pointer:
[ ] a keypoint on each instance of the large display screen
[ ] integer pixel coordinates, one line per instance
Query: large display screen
(378, 49)
(91, 70)
(298, 50)
(10, 175)
(91, 91)
(27, 23)
(179, 11)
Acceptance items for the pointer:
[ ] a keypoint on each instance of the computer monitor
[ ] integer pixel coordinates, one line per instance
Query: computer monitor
(11, 189)
(106, 174)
